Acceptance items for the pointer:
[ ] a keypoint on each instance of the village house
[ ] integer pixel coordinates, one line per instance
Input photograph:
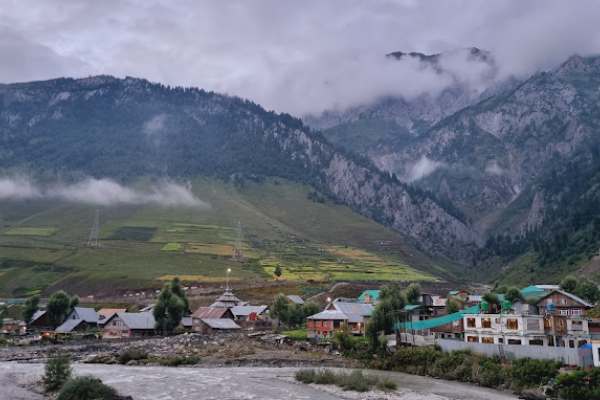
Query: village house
(339, 315)
(216, 325)
(126, 325)
(295, 299)
(40, 321)
(13, 327)
(369, 296)
(79, 319)
(105, 313)
(249, 313)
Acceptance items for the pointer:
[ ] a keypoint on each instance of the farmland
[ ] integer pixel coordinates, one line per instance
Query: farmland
(43, 244)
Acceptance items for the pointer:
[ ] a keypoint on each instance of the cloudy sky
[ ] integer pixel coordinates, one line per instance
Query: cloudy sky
(294, 56)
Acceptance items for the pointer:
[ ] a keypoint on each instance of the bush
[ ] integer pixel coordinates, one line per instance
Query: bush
(306, 375)
(491, 373)
(132, 353)
(355, 381)
(87, 388)
(176, 361)
(528, 373)
(58, 371)
(579, 385)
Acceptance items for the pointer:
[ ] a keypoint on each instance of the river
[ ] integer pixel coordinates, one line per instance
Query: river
(167, 383)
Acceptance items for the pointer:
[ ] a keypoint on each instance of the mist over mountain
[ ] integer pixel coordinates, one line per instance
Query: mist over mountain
(125, 129)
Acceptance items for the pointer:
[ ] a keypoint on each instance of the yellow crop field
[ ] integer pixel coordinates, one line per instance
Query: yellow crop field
(30, 231)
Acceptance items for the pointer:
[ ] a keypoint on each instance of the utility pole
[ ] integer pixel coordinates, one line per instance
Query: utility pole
(93, 240)
(238, 255)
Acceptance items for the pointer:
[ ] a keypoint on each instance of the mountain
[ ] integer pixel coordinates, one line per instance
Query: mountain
(520, 162)
(379, 129)
(130, 128)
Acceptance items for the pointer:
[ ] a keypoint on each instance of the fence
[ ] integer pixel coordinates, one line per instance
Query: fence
(581, 357)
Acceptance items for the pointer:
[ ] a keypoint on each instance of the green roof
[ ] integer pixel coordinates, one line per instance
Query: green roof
(532, 292)
(411, 307)
(372, 293)
(435, 322)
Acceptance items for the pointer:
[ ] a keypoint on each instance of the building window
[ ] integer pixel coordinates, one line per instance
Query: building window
(533, 324)
(551, 341)
(470, 322)
(576, 311)
(572, 344)
(512, 324)
(487, 340)
(576, 325)
(472, 339)
(564, 312)
(486, 323)
(514, 341)
(536, 342)
(500, 340)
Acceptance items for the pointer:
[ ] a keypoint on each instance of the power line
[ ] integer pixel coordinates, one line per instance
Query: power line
(93, 240)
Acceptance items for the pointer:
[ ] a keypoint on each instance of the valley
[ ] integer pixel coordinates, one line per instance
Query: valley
(44, 244)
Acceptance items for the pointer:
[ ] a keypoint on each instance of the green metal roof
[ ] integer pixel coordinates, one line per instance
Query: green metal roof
(372, 293)
(411, 307)
(435, 322)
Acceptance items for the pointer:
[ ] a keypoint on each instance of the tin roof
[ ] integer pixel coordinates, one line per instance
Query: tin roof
(330, 315)
(69, 325)
(356, 312)
(220, 323)
(226, 300)
(210, 312)
(247, 310)
(294, 298)
(435, 322)
(87, 314)
(138, 321)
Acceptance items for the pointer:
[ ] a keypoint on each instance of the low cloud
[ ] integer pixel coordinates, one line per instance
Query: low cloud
(101, 192)
(422, 168)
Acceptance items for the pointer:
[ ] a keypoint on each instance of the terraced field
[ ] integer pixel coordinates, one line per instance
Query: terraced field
(43, 244)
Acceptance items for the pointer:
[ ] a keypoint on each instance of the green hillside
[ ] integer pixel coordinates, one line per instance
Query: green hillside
(43, 244)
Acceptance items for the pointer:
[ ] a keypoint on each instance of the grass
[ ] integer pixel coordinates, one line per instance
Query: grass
(172, 247)
(355, 381)
(296, 334)
(30, 231)
(141, 245)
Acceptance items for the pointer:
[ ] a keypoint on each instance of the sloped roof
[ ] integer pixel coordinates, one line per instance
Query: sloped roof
(220, 323)
(68, 325)
(38, 314)
(330, 315)
(372, 293)
(138, 321)
(294, 298)
(210, 312)
(570, 295)
(412, 307)
(226, 300)
(356, 312)
(247, 310)
(108, 312)
(87, 314)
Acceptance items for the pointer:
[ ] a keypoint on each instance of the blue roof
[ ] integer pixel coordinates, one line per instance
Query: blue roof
(435, 322)
(372, 293)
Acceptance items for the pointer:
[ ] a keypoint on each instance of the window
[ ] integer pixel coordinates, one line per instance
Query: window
(512, 324)
(564, 312)
(576, 311)
(514, 341)
(471, 322)
(486, 323)
(572, 344)
(536, 342)
(551, 341)
(472, 339)
(533, 324)
(487, 340)
(576, 325)
(500, 340)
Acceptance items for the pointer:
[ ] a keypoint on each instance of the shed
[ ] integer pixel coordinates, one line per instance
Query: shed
(215, 325)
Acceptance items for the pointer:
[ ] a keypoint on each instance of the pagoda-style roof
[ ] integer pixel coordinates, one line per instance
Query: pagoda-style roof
(227, 300)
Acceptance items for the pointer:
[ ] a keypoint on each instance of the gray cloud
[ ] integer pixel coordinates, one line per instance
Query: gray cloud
(297, 57)
(423, 167)
(102, 192)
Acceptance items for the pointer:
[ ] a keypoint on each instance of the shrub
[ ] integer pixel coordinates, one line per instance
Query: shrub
(132, 353)
(58, 371)
(356, 381)
(325, 377)
(527, 372)
(176, 361)
(579, 385)
(86, 388)
(306, 375)
(491, 373)
(387, 385)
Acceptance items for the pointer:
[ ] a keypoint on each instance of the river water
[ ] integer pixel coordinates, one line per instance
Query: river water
(167, 383)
